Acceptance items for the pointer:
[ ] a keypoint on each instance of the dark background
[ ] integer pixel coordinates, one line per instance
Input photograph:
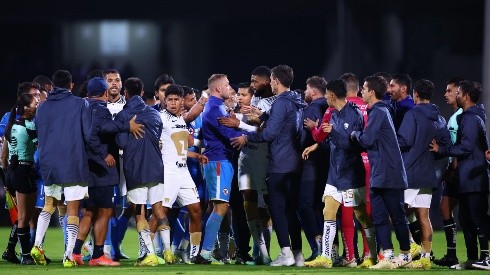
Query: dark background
(193, 39)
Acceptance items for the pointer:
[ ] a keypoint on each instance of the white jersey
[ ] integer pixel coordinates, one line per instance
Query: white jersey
(174, 140)
(116, 106)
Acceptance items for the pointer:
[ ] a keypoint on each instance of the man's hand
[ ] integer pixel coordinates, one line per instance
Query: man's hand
(202, 159)
(109, 160)
(136, 129)
(310, 124)
(487, 154)
(251, 110)
(190, 140)
(327, 127)
(308, 150)
(239, 142)
(433, 146)
(231, 122)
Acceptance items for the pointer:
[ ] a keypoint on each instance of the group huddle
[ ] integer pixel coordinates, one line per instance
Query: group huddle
(178, 165)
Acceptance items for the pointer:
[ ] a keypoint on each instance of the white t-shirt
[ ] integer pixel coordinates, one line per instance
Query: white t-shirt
(174, 140)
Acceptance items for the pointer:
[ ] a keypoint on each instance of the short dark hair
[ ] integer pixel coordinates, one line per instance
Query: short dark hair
(403, 80)
(174, 89)
(94, 73)
(472, 89)
(188, 90)
(424, 88)
(25, 87)
(22, 101)
(455, 80)
(262, 71)
(111, 71)
(386, 76)
(62, 79)
(318, 83)
(337, 87)
(133, 86)
(82, 90)
(243, 85)
(284, 74)
(351, 81)
(377, 84)
(162, 80)
(43, 80)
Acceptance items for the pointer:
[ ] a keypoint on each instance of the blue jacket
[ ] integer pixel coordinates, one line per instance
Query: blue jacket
(216, 136)
(400, 108)
(281, 132)
(102, 142)
(143, 165)
(63, 129)
(313, 111)
(470, 147)
(379, 138)
(346, 169)
(419, 127)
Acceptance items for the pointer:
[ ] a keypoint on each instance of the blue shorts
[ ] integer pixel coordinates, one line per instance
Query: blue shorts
(40, 193)
(219, 175)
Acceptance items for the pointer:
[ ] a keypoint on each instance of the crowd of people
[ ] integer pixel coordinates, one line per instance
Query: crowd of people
(203, 175)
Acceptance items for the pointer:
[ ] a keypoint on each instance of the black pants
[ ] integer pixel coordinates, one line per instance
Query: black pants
(473, 218)
(283, 206)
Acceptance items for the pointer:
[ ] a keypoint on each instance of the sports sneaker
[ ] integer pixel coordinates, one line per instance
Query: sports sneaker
(422, 263)
(367, 263)
(447, 261)
(402, 260)
(215, 261)
(244, 259)
(78, 258)
(181, 256)
(121, 254)
(37, 254)
(10, 256)
(261, 260)
(67, 262)
(383, 264)
(147, 260)
(299, 259)
(169, 257)
(27, 260)
(103, 261)
(284, 260)
(346, 263)
(483, 264)
(320, 261)
(225, 260)
(200, 260)
(415, 250)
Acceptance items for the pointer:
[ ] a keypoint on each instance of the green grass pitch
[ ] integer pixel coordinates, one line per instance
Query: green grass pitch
(54, 249)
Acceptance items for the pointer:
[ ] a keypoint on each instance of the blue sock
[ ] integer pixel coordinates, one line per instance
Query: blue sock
(179, 228)
(114, 236)
(32, 232)
(64, 230)
(122, 226)
(212, 227)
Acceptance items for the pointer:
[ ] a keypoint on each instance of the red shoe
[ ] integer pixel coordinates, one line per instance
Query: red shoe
(103, 261)
(78, 258)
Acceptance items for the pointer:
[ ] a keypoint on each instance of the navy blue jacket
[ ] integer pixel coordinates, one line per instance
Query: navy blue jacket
(313, 111)
(379, 138)
(102, 142)
(143, 165)
(419, 127)
(470, 147)
(281, 133)
(63, 129)
(346, 169)
(400, 108)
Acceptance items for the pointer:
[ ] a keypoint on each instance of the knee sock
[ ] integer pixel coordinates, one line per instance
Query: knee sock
(450, 233)
(24, 237)
(12, 238)
(212, 228)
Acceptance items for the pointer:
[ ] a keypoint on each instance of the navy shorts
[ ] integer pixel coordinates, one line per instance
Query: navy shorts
(99, 197)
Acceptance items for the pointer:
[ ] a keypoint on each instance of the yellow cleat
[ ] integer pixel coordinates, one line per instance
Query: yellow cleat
(169, 257)
(367, 263)
(415, 250)
(148, 260)
(423, 263)
(320, 261)
(37, 254)
(383, 264)
(161, 261)
(67, 262)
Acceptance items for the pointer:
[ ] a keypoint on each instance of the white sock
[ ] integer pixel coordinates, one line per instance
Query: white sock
(286, 251)
(329, 231)
(146, 238)
(256, 231)
(71, 235)
(157, 244)
(165, 236)
(42, 226)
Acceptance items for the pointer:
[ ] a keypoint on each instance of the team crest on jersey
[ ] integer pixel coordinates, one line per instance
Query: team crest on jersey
(225, 191)
(167, 199)
(346, 125)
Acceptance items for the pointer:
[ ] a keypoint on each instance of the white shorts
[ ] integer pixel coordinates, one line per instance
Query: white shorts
(145, 195)
(251, 175)
(72, 193)
(418, 198)
(349, 197)
(179, 188)
(122, 179)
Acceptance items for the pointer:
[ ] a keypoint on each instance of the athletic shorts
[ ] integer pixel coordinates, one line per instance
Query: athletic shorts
(197, 177)
(219, 175)
(21, 178)
(99, 197)
(350, 197)
(71, 193)
(251, 175)
(450, 189)
(418, 198)
(144, 195)
(179, 188)
(40, 194)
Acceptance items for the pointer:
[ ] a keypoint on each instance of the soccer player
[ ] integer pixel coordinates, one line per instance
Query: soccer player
(388, 177)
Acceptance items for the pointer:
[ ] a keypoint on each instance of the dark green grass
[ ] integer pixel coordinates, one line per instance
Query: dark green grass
(54, 249)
